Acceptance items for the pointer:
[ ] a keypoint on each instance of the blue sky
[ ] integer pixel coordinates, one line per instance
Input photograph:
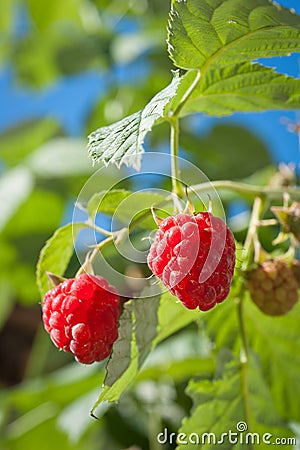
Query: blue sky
(69, 103)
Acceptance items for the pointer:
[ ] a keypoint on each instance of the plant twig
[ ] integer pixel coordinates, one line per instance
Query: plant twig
(174, 147)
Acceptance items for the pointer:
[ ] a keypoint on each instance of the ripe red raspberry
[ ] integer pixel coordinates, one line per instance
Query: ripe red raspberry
(273, 287)
(81, 314)
(194, 257)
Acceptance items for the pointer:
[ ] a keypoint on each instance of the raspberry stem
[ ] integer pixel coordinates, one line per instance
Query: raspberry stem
(251, 238)
(249, 250)
(247, 190)
(174, 147)
(244, 355)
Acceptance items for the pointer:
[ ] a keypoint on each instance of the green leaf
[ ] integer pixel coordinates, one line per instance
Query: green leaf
(219, 406)
(106, 201)
(56, 254)
(146, 321)
(126, 206)
(120, 358)
(220, 32)
(171, 317)
(221, 39)
(275, 340)
(122, 142)
(242, 87)
(15, 186)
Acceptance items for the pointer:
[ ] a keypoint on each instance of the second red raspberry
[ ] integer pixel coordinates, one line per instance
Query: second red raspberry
(194, 256)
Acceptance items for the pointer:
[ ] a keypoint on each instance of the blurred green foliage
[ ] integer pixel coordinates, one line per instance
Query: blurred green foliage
(45, 397)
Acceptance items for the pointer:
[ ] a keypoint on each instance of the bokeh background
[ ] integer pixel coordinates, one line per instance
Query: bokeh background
(66, 68)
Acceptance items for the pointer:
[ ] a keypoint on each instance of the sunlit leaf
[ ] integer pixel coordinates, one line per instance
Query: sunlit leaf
(222, 39)
(122, 142)
(244, 87)
(216, 33)
(56, 254)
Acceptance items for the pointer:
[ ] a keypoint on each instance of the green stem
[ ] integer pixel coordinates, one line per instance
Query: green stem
(244, 360)
(247, 190)
(174, 146)
(187, 95)
(252, 233)
(244, 353)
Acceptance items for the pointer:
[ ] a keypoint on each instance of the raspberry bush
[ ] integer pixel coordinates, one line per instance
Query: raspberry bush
(159, 294)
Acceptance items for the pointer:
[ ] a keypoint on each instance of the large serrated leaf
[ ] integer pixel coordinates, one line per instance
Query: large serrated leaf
(219, 408)
(222, 39)
(170, 317)
(221, 32)
(122, 142)
(275, 340)
(56, 254)
(242, 87)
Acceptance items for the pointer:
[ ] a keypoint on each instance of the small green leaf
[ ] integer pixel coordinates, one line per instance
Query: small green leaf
(216, 33)
(106, 201)
(122, 142)
(146, 322)
(121, 355)
(125, 205)
(172, 316)
(219, 408)
(56, 254)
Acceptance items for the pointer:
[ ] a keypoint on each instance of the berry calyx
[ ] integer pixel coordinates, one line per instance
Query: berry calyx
(273, 287)
(81, 315)
(194, 256)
